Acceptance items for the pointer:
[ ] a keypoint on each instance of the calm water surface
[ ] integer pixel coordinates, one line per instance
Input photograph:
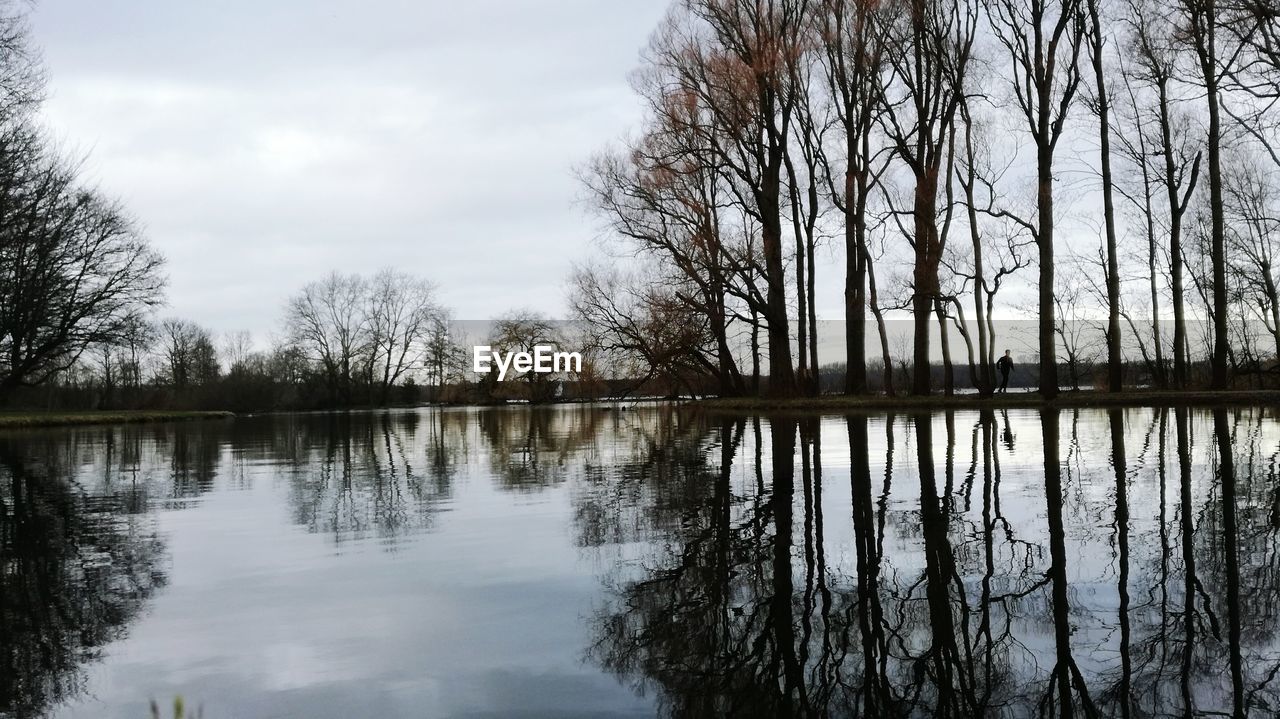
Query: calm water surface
(580, 562)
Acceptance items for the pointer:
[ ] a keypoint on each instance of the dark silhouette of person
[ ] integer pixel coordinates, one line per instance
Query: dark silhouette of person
(1005, 365)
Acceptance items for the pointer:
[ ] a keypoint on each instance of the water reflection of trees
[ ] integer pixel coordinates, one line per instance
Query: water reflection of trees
(75, 569)
(529, 449)
(378, 476)
(1125, 567)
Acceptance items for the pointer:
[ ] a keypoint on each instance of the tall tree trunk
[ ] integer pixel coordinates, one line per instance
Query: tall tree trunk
(1044, 183)
(755, 353)
(1115, 356)
(1273, 298)
(815, 383)
(925, 277)
(1208, 67)
(1176, 207)
(730, 379)
(782, 379)
(881, 326)
(855, 290)
(1161, 373)
(802, 310)
(944, 343)
(985, 377)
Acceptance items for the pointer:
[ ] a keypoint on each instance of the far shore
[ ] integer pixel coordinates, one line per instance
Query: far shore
(24, 419)
(1010, 400)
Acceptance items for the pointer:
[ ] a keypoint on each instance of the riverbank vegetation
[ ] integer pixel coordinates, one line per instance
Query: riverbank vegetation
(22, 420)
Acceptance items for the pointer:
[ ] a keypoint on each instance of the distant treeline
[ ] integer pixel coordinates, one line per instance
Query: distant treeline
(346, 341)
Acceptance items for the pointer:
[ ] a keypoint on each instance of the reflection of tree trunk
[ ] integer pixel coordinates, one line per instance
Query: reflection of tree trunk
(1188, 558)
(1227, 475)
(1162, 476)
(720, 593)
(1065, 674)
(988, 422)
(950, 670)
(808, 428)
(824, 671)
(875, 686)
(783, 440)
(1122, 542)
(949, 419)
(1058, 558)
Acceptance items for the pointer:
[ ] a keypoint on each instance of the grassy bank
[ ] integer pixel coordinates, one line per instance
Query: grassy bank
(1012, 400)
(18, 420)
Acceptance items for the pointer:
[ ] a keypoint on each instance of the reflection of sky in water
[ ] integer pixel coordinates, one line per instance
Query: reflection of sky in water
(469, 563)
(261, 618)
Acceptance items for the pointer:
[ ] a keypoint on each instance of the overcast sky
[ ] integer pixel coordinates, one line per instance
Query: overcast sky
(263, 144)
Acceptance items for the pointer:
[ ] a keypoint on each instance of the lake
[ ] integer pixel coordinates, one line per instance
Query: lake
(583, 561)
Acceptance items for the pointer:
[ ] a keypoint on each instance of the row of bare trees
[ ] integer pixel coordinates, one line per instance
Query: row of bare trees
(911, 132)
(346, 340)
(366, 333)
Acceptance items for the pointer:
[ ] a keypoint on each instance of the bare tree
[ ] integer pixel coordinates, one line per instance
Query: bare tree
(189, 354)
(851, 34)
(639, 323)
(664, 202)
(1174, 157)
(74, 270)
(1077, 335)
(736, 58)
(400, 311)
(1042, 41)
(1200, 20)
(930, 48)
(327, 322)
(236, 350)
(443, 356)
(1102, 108)
(135, 342)
(21, 73)
(524, 331)
(1253, 241)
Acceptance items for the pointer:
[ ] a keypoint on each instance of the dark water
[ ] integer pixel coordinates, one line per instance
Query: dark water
(581, 562)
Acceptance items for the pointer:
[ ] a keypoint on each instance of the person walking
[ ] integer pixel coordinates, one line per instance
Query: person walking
(1005, 365)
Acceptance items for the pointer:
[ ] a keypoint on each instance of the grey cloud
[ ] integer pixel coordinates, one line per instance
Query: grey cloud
(263, 144)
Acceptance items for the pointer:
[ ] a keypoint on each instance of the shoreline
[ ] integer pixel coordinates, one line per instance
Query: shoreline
(25, 420)
(1012, 400)
(824, 403)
